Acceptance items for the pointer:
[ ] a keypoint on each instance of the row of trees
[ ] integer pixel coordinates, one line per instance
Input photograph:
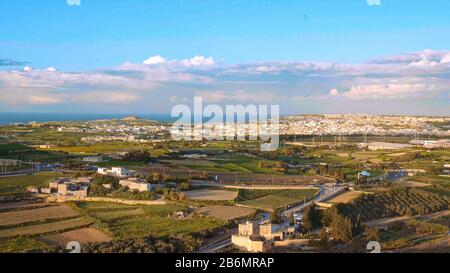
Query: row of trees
(396, 202)
(342, 229)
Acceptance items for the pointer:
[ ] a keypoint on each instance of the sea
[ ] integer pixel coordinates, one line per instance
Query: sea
(11, 118)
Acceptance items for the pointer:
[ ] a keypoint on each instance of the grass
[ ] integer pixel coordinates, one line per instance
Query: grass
(107, 147)
(123, 221)
(45, 228)
(159, 226)
(17, 185)
(22, 152)
(273, 200)
(22, 245)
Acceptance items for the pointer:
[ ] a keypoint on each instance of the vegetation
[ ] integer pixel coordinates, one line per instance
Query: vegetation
(395, 202)
(13, 188)
(273, 199)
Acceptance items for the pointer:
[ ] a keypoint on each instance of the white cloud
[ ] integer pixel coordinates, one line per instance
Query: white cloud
(445, 59)
(423, 74)
(155, 60)
(198, 61)
(45, 99)
(236, 96)
(105, 97)
(390, 91)
(374, 2)
(334, 92)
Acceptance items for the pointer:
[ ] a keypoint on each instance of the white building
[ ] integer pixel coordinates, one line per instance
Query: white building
(119, 171)
(103, 171)
(116, 171)
(136, 184)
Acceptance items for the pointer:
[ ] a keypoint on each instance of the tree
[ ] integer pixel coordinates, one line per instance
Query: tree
(341, 229)
(292, 219)
(275, 218)
(312, 219)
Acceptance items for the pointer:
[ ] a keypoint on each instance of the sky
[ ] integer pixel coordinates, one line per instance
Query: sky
(140, 56)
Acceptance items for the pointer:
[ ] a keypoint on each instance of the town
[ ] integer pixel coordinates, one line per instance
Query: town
(331, 186)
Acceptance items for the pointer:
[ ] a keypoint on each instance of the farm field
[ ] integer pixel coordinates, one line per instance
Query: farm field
(345, 198)
(124, 221)
(83, 236)
(273, 199)
(211, 195)
(396, 202)
(23, 245)
(16, 186)
(22, 206)
(36, 215)
(411, 184)
(225, 212)
(53, 227)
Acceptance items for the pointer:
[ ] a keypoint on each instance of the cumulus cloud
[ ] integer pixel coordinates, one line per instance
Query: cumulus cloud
(155, 60)
(334, 92)
(423, 74)
(239, 96)
(198, 61)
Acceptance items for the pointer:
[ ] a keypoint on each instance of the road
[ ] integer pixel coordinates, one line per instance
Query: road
(216, 246)
(325, 194)
(219, 242)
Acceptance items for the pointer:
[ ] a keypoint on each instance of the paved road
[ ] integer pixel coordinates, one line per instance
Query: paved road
(325, 194)
(216, 246)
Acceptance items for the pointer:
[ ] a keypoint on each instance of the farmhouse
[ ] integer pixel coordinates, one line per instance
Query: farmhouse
(138, 184)
(255, 237)
(68, 186)
(115, 171)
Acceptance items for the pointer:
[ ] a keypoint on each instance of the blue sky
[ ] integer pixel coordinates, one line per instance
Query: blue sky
(88, 45)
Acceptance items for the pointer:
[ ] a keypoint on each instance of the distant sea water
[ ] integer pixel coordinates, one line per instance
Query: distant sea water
(10, 118)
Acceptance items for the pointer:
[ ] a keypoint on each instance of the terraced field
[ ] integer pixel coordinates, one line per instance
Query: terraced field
(36, 215)
(16, 186)
(225, 212)
(53, 227)
(83, 236)
(124, 221)
(211, 195)
(273, 199)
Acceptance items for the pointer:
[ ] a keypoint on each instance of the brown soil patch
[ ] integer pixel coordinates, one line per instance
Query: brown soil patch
(225, 213)
(34, 215)
(83, 236)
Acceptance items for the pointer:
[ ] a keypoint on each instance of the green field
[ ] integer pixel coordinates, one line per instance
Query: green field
(23, 245)
(16, 186)
(123, 221)
(273, 199)
(22, 152)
